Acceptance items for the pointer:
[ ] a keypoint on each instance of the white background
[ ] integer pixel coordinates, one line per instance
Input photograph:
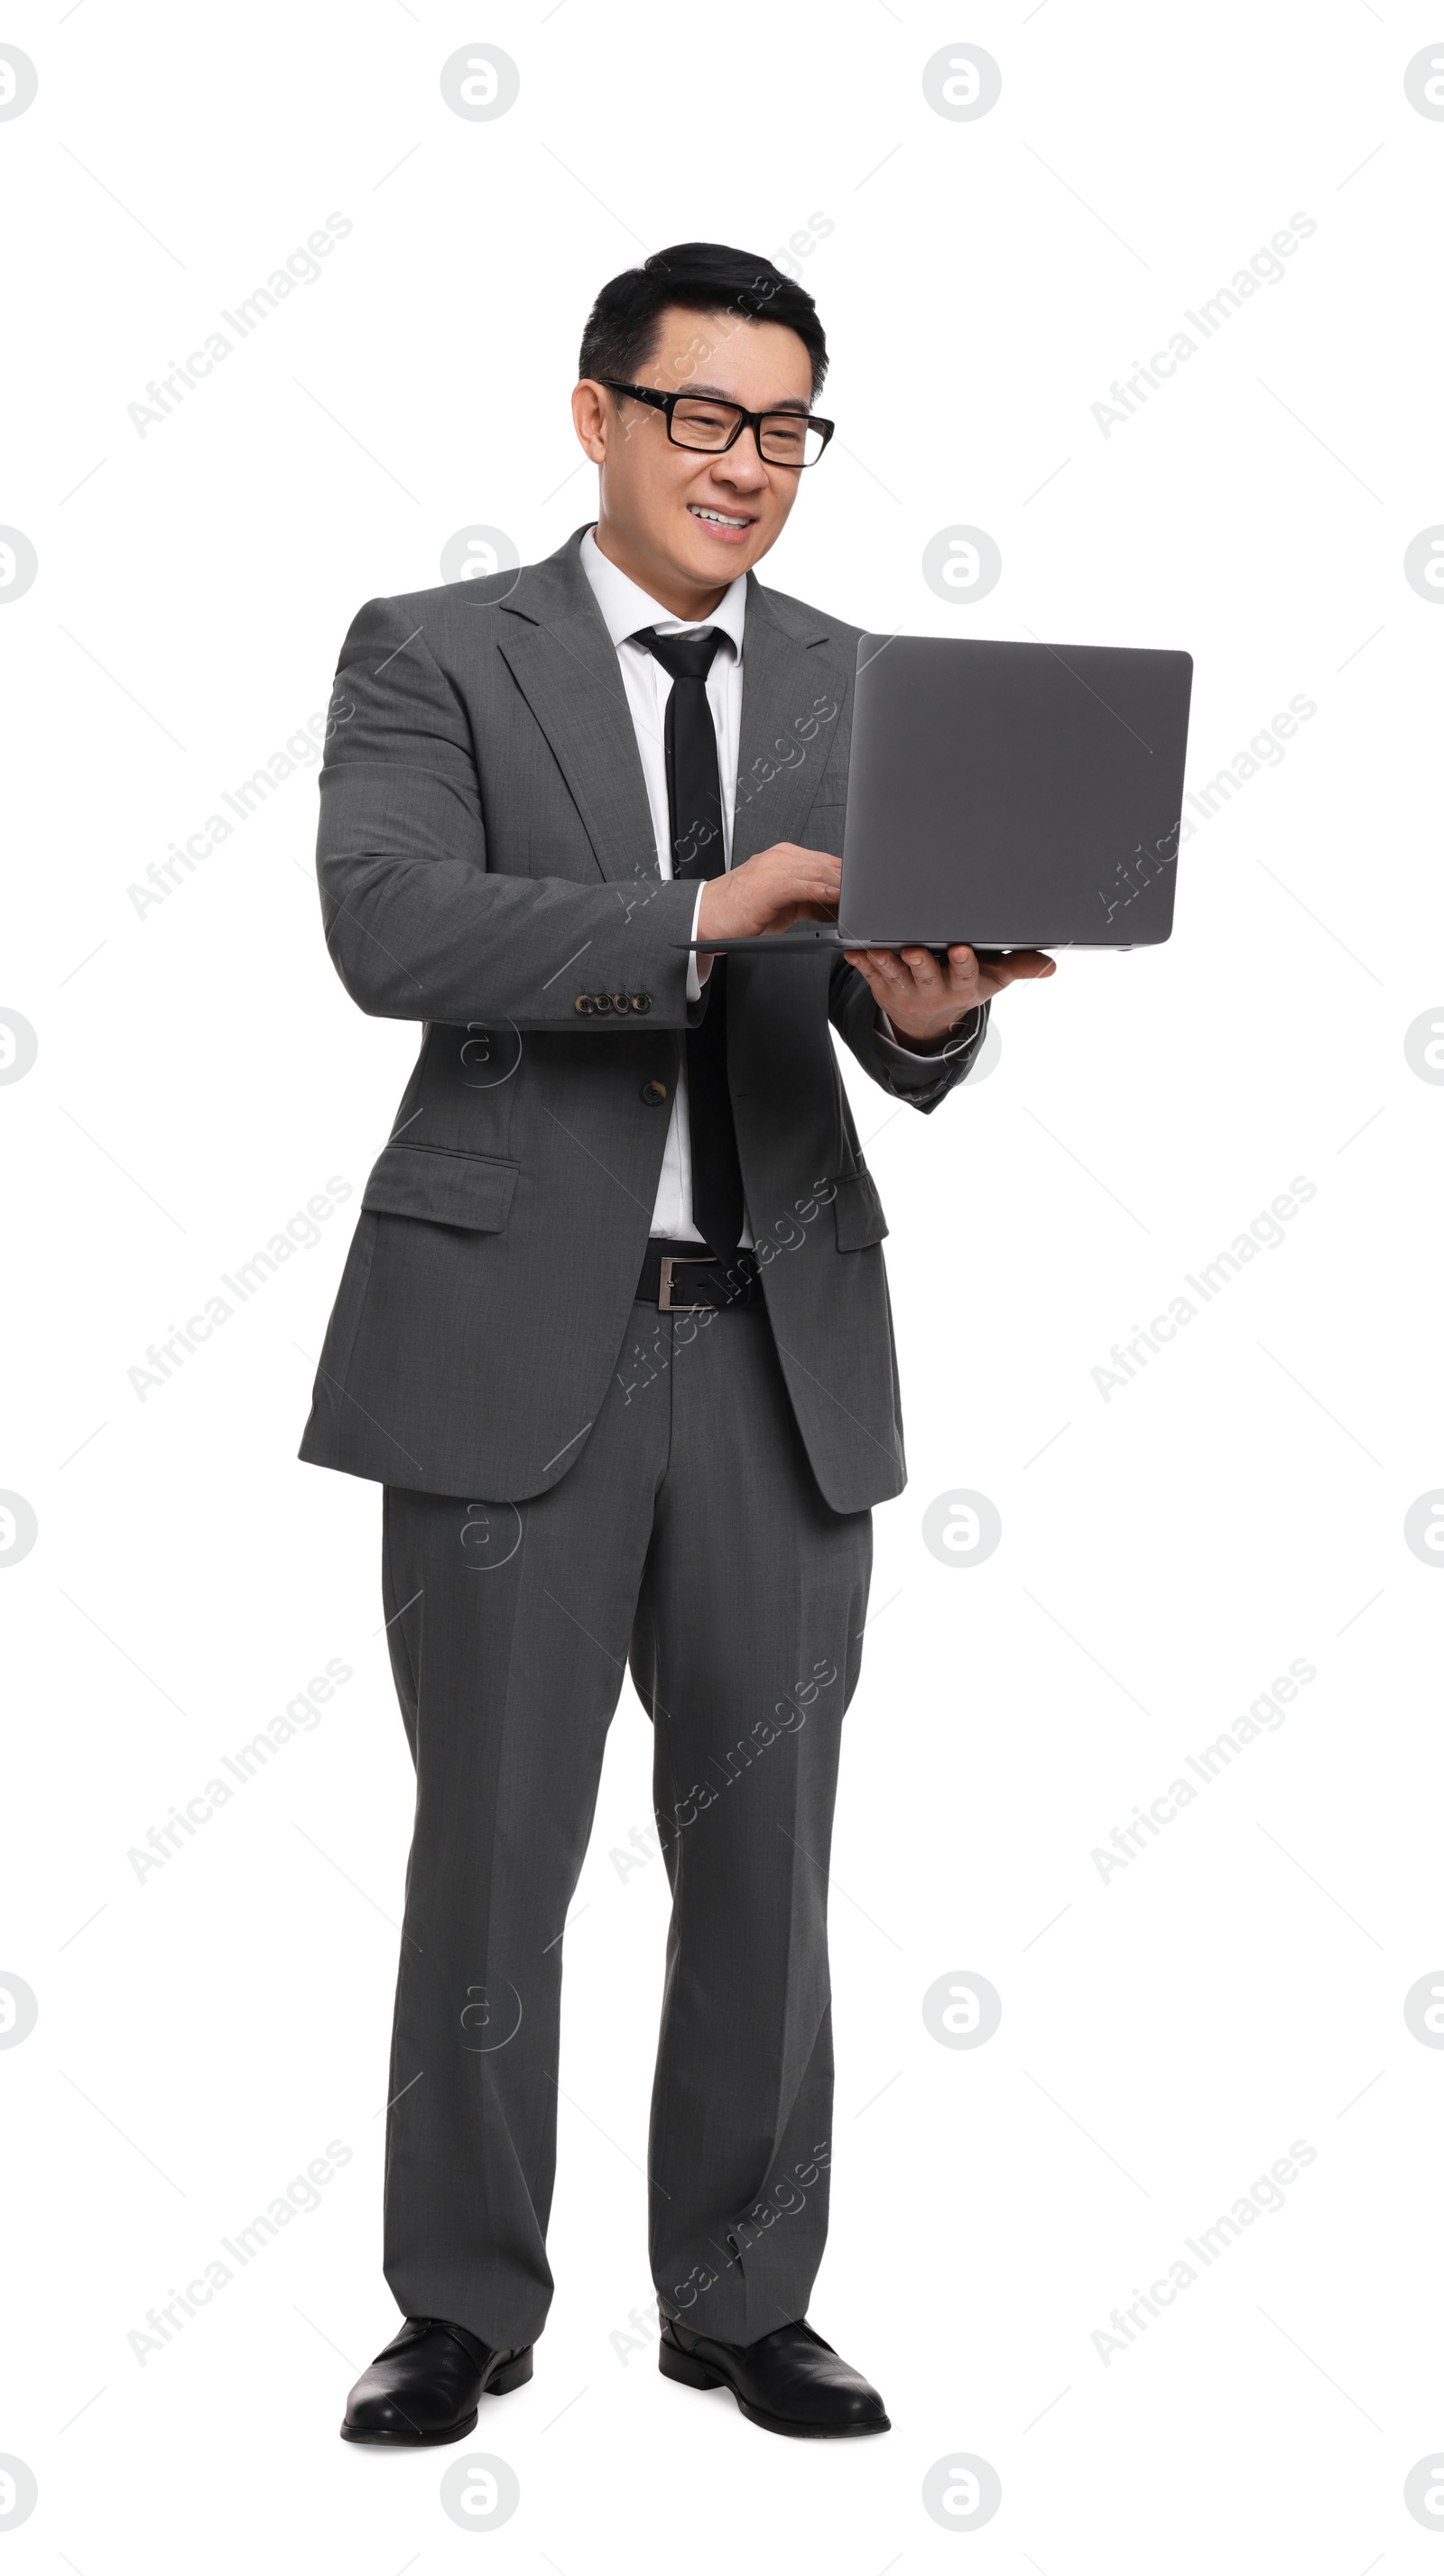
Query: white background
(1239, 1504)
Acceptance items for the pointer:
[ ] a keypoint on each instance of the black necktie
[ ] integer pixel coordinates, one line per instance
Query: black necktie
(694, 818)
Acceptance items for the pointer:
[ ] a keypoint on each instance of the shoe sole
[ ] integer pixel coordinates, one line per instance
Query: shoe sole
(688, 2373)
(515, 2375)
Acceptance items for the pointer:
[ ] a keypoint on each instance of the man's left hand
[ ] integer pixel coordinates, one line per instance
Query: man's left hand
(924, 1000)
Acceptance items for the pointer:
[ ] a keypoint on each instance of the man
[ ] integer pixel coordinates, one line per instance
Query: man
(614, 1334)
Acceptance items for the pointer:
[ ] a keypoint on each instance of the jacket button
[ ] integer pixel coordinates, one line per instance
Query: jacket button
(641, 1001)
(584, 1004)
(654, 1093)
(601, 1001)
(621, 1002)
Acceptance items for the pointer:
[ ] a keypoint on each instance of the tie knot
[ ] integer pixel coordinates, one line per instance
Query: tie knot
(684, 657)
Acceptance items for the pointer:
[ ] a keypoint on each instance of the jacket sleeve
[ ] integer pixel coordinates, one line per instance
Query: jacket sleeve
(921, 1080)
(416, 927)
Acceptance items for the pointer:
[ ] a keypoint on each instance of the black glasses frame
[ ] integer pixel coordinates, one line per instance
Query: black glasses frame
(753, 420)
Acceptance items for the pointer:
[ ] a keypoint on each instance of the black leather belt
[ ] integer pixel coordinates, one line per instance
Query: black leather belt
(684, 1279)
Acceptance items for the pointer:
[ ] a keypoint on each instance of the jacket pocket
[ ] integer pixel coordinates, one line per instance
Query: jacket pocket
(825, 826)
(444, 1188)
(858, 1212)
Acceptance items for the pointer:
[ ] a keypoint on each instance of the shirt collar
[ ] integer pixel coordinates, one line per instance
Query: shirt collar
(625, 606)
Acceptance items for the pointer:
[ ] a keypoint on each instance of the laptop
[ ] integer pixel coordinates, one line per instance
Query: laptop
(1006, 796)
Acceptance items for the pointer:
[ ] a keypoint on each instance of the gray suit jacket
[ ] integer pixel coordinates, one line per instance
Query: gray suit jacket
(488, 867)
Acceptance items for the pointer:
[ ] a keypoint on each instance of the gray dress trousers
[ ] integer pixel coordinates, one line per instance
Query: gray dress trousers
(690, 1538)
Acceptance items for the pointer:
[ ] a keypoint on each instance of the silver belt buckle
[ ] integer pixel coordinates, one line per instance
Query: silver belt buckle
(666, 1303)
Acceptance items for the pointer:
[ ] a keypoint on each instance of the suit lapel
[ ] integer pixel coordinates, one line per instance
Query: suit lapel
(789, 680)
(555, 644)
(565, 664)
(795, 681)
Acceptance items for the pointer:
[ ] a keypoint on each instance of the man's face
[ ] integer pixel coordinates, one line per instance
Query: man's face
(692, 518)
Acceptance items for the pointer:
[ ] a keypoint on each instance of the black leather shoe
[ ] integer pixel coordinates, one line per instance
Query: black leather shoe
(425, 2385)
(790, 2382)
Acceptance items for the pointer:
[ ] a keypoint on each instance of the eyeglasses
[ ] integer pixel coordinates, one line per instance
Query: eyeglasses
(695, 420)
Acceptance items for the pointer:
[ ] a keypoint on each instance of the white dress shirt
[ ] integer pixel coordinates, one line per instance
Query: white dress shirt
(625, 608)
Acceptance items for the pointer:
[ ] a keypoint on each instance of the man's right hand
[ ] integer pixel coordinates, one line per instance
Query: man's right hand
(780, 886)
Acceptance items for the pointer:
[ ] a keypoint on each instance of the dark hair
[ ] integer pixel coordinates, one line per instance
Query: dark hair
(702, 277)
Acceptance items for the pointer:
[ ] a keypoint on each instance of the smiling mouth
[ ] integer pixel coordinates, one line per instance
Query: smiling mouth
(719, 519)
